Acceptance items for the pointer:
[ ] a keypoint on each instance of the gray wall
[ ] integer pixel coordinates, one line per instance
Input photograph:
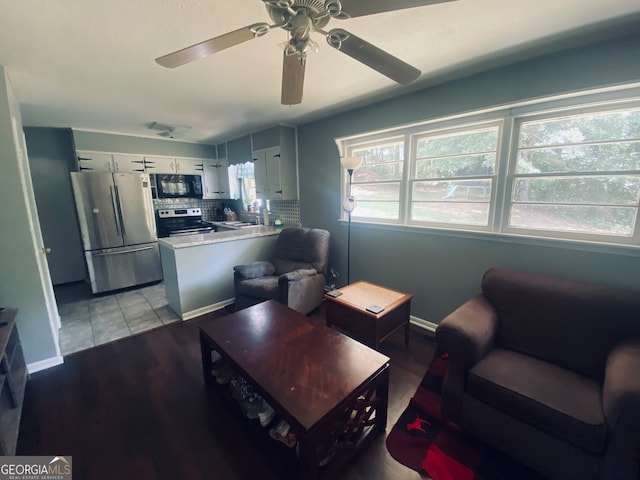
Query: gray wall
(442, 271)
(20, 280)
(110, 142)
(51, 158)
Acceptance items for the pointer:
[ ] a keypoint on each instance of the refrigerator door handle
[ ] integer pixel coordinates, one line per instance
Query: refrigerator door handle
(120, 212)
(116, 211)
(107, 254)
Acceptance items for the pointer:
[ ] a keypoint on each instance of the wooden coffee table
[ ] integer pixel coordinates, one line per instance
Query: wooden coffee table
(349, 312)
(332, 390)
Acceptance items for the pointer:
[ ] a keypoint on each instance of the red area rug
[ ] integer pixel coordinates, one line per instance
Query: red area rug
(423, 441)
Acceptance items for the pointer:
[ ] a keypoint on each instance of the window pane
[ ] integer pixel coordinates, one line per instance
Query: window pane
(451, 212)
(484, 140)
(377, 200)
(378, 173)
(379, 191)
(568, 218)
(458, 166)
(458, 191)
(380, 162)
(581, 129)
(612, 157)
(379, 210)
(596, 190)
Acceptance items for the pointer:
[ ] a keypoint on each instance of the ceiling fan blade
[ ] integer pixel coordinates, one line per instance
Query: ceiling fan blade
(292, 79)
(359, 8)
(372, 56)
(213, 45)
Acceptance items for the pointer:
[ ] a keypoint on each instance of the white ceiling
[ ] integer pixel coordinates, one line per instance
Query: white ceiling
(90, 64)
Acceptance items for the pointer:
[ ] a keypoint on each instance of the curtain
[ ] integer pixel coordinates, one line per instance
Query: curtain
(247, 182)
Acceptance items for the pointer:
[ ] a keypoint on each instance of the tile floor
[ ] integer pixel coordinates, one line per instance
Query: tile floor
(89, 320)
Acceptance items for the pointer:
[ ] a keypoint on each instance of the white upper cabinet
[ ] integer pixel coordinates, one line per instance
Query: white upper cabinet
(94, 161)
(109, 162)
(189, 166)
(128, 163)
(216, 179)
(275, 163)
(153, 164)
(267, 169)
(180, 166)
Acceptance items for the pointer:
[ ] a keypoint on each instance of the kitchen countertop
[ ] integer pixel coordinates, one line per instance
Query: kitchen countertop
(184, 241)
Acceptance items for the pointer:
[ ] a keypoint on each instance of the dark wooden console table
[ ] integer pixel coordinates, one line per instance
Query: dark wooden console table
(332, 390)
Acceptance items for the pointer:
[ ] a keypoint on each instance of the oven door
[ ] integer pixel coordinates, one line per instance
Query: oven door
(191, 231)
(178, 186)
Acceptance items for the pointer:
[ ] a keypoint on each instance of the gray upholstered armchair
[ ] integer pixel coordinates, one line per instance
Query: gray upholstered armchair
(548, 370)
(295, 276)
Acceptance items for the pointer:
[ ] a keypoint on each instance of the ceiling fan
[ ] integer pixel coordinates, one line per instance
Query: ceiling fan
(299, 18)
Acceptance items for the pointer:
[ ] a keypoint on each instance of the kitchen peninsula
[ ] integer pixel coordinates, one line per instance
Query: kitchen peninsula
(198, 269)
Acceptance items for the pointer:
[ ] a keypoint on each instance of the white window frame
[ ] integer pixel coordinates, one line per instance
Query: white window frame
(633, 239)
(385, 139)
(466, 127)
(509, 117)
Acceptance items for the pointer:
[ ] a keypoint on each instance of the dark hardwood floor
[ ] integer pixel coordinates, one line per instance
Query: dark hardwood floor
(137, 408)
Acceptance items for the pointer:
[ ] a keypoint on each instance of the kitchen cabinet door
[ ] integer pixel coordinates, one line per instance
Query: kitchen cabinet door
(189, 166)
(216, 179)
(94, 161)
(128, 163)
(267, 169)
(159, 164)
(277, 177)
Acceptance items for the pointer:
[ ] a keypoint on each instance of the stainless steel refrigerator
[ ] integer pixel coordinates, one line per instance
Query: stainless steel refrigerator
(117, 222)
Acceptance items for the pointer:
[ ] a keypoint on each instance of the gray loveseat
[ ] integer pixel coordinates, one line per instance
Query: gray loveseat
(295, 276)
(548, 370)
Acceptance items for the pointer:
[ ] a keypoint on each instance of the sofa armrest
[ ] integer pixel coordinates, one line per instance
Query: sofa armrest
(296, 275)
(621, 389)
(468, 333)
(254, 270)
(302, 290)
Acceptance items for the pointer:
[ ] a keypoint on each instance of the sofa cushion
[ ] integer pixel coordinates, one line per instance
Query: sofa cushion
(262, 287)
(558, 401)
(298, 248)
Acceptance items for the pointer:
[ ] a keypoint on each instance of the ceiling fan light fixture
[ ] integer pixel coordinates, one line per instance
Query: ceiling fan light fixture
(299, 18)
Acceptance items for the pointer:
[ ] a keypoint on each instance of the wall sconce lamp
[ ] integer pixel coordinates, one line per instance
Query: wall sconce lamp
(349, 204)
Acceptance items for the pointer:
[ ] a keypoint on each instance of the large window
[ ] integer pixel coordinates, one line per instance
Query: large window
(561, 171)
(453, 176)
(578, 174)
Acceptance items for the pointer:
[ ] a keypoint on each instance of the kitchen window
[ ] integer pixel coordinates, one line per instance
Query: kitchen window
(562, 168)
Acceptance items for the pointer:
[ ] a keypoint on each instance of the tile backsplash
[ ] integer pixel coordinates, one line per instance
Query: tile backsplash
(288, 211)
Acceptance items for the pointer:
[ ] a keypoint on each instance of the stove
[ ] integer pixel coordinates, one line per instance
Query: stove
(181, 221)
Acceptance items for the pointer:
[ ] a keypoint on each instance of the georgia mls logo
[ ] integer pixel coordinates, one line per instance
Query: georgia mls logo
(59, 465)
(35, 468)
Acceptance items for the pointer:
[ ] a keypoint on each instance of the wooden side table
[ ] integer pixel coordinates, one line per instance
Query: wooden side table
(349, 312)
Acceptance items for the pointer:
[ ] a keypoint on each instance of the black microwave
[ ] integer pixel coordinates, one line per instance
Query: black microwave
(178, 186)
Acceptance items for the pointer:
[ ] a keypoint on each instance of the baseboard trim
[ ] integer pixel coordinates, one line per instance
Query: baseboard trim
(44, 364)
(430, 327)
(208, 309)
